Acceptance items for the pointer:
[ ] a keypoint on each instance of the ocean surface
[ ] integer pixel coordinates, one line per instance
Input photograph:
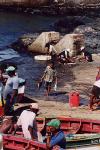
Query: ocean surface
(12, 26)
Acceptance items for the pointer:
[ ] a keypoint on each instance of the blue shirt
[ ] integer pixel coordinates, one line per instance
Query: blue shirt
(58, 139)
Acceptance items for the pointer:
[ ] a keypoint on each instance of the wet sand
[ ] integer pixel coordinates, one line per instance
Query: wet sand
(79, 78)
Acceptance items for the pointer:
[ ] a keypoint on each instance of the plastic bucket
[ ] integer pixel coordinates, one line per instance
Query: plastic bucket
(74, 99)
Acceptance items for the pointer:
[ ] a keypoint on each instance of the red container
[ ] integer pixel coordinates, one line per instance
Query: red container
(1, 111)
(74, 99)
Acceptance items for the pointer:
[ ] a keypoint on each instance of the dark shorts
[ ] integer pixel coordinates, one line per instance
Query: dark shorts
(96, 91)
(48, 84)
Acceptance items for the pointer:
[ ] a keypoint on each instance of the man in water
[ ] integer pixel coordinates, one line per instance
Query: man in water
(55, 135)
(49, 76)
(27, 120)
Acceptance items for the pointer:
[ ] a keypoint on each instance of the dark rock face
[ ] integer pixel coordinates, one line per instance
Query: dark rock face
(67, 24)
(62, 3)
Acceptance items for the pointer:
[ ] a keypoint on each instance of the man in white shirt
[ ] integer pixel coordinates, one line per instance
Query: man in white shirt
(94, 98)
(27, 120)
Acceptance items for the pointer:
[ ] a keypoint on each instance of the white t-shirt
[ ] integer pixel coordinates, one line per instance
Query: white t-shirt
(52, 49)
(97, 83)
(26, 119)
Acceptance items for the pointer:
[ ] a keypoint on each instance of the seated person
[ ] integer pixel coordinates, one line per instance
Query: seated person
(7, 127)
(86, 55)
(55, 137)
(64, 56)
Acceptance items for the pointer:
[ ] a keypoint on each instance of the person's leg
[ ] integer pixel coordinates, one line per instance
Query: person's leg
(48, 88)
(92, 101)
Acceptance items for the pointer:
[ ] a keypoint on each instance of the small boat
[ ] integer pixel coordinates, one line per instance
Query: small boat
(73, 142)
(42, 57)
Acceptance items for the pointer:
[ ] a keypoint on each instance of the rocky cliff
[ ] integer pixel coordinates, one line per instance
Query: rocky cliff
(66, 3)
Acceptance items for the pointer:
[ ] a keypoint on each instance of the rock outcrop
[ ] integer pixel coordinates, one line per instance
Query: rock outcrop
(45, 37)
(72, 42)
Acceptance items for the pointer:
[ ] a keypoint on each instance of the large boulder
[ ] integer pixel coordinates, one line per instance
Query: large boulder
(72, 42)
(38, 45)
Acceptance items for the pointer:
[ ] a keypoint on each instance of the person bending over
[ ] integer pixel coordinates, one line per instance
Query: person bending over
(27, 120)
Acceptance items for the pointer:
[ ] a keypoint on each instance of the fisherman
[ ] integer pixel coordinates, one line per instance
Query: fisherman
(55, 135)
(27, 120)
(94, 98)
(64, 56)
(10, 90)
(49, 76)
(7, 127)
(86, 55)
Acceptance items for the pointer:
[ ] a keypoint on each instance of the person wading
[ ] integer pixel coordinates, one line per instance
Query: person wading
(49, 76)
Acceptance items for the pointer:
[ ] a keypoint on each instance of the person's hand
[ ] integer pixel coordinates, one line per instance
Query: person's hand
(48, 129)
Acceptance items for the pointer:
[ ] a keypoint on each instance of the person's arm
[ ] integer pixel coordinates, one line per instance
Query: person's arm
(48, 135)
(11, 129)
(16, 128)
(44, 74)
(58, 139)
(48, 141)
(31, 132)
(17, 124)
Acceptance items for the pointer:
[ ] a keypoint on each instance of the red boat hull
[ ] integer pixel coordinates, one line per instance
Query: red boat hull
(68, 125)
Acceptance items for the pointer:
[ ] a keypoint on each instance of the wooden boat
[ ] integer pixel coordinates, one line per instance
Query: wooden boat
(71, 126)
(75, 125)
(73, 142)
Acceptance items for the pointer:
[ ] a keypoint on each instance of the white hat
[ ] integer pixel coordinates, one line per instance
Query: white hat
(35, 106)
(82, 48)
(10, 68)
